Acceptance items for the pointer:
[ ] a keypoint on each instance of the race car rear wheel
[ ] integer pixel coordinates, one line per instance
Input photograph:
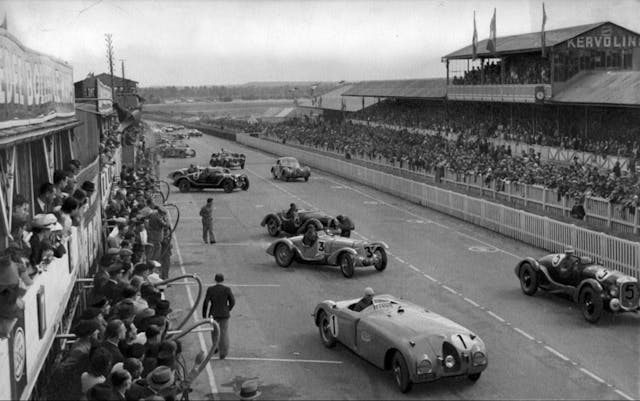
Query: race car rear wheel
(324, 328)
(591, 304)
(381, 256)
(245, 184)
(283, 254)
(528, 279)
(474, 376)
(184, 186)
(401, 373)
(228, 186)
(306, 178)
(345, 260)
(273, 227)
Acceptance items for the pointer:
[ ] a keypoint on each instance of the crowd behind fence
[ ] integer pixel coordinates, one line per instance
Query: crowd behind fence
(539, 231)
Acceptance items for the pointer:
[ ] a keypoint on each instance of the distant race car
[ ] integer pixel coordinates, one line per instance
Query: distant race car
(417, 345)
(228, 160)
(288, 168)
(278, 222)
(594, 287)
(331, 250)
(194, 132)
(208, 177)
(177, 151)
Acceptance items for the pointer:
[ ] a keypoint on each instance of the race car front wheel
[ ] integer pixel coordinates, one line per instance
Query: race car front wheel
(324, 327)
(346, 264)
(284, 255)
(381, 259)
(245, 184)
(591, 304)
(528, 279)
(273, 227)
(184, 186)
(228, 186)
(401, 373)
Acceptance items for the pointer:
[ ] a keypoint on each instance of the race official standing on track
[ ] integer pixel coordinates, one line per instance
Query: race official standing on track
(221, 300)
(207, 222)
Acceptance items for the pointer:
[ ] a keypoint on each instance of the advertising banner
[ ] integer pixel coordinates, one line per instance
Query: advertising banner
(608, 36)
(105, 101)
(33, 87)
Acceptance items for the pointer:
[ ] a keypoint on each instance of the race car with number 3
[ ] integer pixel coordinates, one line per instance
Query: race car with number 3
(594, 287)
(417, 345)
(331, 250)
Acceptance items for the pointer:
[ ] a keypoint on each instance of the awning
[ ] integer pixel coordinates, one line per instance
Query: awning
(29, 133)
(602, 87)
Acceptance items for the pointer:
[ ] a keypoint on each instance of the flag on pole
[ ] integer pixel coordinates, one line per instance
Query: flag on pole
(542, 34)
(474, 40)
(491, 44)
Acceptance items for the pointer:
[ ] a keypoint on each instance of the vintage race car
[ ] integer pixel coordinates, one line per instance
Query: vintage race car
(177, 151)
(208, 177)
(228, 160)
(278, 222)
(331, 250)
(593, 286)
(288, 168)
(417, 345)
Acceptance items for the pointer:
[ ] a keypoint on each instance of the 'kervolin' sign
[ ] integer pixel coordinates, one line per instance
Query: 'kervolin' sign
(33, 87)
(605, 37)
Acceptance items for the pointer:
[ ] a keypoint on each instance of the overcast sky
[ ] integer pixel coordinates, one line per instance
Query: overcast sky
(228, 42)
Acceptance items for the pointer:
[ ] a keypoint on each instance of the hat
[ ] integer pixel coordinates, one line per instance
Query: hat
(369, 291)
(163, 307)
(166, 358)
(113, 251)
(88, 186)
(85, 328)
(145, 212)
(153, 264)
(46, 221)
(146, 313)
(100, 302)
(219, 278)
(249, 390)
(115, 267)
(126, 252)
(120, 220)
(160, 378)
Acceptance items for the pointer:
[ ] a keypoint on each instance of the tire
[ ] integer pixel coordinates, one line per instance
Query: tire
(591, 304)
(228, 186)
(273, 174)
(382, 263)
(401, 373)
(273, 227)
(184, 185)
(528, 279)
(245, 184)
(345, 261)
(327, 338)
(283, 255)
(306, 178)
(242, 165)
(474, 376)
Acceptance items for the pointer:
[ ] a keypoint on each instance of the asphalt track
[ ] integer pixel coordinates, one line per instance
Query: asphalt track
(539, 347)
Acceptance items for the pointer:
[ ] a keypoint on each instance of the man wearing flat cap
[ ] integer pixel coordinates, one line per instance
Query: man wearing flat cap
(113, 288)
(221, 301)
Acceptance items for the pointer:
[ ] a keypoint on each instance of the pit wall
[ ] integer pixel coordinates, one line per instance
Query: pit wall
(539, 231)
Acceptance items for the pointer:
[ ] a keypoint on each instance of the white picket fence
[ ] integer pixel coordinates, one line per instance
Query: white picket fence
(541, 232)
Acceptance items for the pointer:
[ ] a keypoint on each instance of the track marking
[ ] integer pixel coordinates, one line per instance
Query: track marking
(624, 395)
(232, 358)
(429, 277)
(524, 333)
(592, 375)
(451, 290)
(412, 267)
(556, 353)
(498, 318)
(399, 260)
(471, 302)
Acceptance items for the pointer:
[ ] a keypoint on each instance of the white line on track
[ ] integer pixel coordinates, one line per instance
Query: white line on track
(471, 302)
(412, 267)
(524, 333)
(232, 358)
(451, 290)
(592, 375)
(623, 395)
(556, 353)
(429, 277)
(400, 260)
(203, 346)
(498, 318)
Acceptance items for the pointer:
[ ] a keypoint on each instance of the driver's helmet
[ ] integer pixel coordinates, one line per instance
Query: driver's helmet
(569, 250)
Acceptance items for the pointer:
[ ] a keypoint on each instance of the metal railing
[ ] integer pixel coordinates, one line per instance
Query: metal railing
(539, 231)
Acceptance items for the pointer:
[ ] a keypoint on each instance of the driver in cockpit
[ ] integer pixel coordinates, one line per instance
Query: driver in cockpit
(569, 263)
(365, 301)
(292, 212)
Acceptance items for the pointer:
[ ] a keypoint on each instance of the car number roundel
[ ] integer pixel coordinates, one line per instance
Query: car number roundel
(333, 325)
(557, 259)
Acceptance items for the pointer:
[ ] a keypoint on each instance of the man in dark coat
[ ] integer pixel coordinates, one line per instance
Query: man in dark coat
(116, 332)
(221, 301)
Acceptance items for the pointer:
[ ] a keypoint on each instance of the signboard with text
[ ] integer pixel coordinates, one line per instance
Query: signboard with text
(607, 36)
(105, 101)
(34, 87)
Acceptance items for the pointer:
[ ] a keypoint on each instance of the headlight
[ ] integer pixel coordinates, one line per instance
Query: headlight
(424, 367)
(613, 291)
(479, 358)
(614, 304)
(449, 361)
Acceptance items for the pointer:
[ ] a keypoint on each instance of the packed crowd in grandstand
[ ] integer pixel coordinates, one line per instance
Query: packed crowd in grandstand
(520, 70)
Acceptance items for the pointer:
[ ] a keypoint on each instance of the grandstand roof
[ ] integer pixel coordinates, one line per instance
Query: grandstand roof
(602, 87)
(333, 100)
(410, 88)
(524, 42)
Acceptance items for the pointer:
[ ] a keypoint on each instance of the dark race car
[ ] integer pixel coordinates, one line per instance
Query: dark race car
(593, 286)
(227, 160)
(208, 177)
(278, 222)
(288, 168)
(177, 151)
(330, 250)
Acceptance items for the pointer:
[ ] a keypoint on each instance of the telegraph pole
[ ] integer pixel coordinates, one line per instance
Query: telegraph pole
(124, 84)
(107, 38)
